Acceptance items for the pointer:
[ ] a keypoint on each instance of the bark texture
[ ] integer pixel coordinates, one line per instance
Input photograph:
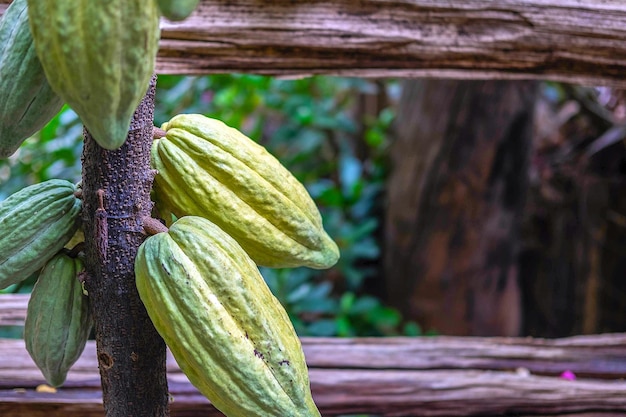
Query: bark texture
(116, 195)
(455, 197)
(572, 40)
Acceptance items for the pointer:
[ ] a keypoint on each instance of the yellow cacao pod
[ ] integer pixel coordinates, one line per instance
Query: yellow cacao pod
(228, 333)
(99, 57)
(205, 168)
(35, 223)
(58, 321)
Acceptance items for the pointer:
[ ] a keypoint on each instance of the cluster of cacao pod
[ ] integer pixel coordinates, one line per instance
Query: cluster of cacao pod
(230, 206)
(97, 57)
(36, 223)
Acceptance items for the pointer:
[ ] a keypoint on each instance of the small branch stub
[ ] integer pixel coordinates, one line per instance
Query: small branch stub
(153, 226)
(102, 230)
(158, 133)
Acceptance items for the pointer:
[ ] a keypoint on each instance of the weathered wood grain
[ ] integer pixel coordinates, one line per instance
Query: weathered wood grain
(13, 309)
(580, 41)
(596, 356)
(428, 376)
(386, 377)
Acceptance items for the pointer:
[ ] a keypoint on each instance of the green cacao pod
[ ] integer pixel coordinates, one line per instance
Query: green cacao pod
(99, 57)
(228, 333)
(205, 168)
(176, 10)
(58, 321)
(28, 102)
(36, 222)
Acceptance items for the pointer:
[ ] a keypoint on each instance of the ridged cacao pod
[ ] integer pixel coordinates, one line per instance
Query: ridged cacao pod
(28, 102)
(99, 57)
(228, 333)
(58, 321)
(176, 10)
(36, 222)
(205, 168)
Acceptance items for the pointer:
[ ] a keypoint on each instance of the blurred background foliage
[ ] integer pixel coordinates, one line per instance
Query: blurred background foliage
(317, 129)
(335, 133)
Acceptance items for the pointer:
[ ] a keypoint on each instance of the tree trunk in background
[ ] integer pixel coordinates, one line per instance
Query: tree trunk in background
(455, 198)
(611, 293)
(572, 264)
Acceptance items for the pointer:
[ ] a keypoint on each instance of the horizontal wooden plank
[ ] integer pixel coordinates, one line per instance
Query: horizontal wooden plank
(13, 309)
(369, 388)
(429, 376)
(580, 41)
(596, 356)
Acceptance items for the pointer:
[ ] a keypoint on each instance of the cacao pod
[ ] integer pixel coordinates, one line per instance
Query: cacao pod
(36, 222)
(99, 57)
(228, 333)
(176, 10)
(58, 321)
(28, 102)
(205, 168)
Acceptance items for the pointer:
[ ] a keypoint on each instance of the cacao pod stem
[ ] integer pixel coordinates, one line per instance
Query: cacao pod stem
(152, 226)
(158, 133)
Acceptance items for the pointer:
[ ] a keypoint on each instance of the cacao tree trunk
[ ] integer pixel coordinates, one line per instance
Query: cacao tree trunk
(456, 194)
(116, 196)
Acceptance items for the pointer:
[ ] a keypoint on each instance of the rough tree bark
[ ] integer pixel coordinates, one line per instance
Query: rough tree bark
(116, 196)
(455, 198)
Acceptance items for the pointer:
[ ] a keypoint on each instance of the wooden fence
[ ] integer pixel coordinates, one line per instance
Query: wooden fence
(580, 41)
(399, 376)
